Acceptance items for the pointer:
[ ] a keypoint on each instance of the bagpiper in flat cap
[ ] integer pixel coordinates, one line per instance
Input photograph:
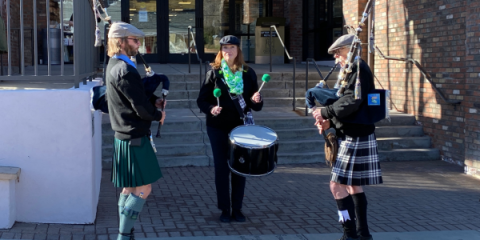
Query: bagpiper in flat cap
(230, 39)
(121, 30)
(345, 40)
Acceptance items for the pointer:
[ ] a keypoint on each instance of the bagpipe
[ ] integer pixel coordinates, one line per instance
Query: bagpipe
(150, 82)
(377, 102)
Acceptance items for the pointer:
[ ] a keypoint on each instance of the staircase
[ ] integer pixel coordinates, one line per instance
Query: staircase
(185, 142)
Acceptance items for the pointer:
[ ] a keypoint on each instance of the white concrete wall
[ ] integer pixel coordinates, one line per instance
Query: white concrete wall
(48, 134)
(7, 203)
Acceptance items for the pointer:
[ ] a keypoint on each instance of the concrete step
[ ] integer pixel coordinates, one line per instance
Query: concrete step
(195, 149)
(399, 131)
(283, 102)
(170, 126)
(166, 138)
(425, 154)
(391, 143)
(299, 158)
(185, 161)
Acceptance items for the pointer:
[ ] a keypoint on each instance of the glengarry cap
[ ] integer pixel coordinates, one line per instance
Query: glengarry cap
(121, 30)
(345, 40)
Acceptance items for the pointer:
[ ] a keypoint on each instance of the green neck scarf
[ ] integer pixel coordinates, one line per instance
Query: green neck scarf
(233, 80)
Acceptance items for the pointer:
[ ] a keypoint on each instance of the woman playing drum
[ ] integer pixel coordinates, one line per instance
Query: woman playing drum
(238, 85)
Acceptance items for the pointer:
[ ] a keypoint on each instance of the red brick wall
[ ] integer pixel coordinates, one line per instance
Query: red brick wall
(434, 34)
(292, 11)
(472, 93)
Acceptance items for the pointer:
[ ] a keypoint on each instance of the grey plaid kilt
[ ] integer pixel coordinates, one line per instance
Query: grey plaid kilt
(357, 162)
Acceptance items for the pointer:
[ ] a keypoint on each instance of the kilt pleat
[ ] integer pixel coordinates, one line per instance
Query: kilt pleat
(134, 166)
(357, 162)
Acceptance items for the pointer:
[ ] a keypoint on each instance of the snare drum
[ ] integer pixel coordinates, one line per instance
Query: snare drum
(253, 151)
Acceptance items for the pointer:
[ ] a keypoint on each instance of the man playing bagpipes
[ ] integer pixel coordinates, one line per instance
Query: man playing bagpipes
(135, 166)
(349, 114)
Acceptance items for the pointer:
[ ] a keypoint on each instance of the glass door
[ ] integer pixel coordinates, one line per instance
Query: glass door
(143, 15)
(181, 15)
(233, 17)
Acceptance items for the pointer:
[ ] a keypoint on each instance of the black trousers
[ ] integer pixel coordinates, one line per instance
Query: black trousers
(220, 147)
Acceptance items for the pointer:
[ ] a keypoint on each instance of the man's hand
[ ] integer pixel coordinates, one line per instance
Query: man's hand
(322, 126)
(216, 110)
(163, 117)
(159, 103)
(256, 98)
(317, 115)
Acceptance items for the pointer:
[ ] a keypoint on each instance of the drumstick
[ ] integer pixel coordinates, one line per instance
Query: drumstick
(217, 93)
(265, 78)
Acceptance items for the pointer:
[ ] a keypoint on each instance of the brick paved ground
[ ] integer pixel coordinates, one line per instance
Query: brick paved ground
(415, 196)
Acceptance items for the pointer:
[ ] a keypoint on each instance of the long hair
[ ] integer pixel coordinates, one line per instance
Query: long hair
(237, 63)
(114, 46)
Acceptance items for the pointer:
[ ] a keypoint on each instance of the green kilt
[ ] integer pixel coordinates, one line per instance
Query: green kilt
(134, 166)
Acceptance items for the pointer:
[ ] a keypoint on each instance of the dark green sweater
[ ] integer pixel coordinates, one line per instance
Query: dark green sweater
(131, 112)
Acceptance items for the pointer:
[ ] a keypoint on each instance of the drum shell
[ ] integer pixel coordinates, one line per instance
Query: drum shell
(257, 161)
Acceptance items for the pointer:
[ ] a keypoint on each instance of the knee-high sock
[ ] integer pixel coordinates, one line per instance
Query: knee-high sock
(133, 207)
(346, 213)
(360, 201)
(121, 203)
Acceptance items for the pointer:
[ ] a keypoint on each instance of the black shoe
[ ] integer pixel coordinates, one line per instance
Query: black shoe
(225, 217)
(366, 238)
(238, 216)
(344, 237)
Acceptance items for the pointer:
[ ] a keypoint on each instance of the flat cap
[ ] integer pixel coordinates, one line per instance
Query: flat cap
(345, 40)
(121, 30)
(230, 39)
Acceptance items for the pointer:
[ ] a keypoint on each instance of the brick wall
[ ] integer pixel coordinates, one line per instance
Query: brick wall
(291, 10)
(433, 33)
(472, 96)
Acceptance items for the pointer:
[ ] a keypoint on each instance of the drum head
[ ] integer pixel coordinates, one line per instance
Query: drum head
(253, 136)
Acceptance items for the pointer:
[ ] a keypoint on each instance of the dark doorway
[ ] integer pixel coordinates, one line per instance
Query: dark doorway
(322, 25)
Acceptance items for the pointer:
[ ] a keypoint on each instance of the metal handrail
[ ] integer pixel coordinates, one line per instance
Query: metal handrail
(196, 52)
(289, 57)
(425, 74)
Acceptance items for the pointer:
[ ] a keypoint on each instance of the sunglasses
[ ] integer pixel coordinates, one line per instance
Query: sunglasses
(337, 52)
(135, 40)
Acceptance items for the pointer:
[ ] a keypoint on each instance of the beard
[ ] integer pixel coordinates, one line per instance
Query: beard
(130, 51)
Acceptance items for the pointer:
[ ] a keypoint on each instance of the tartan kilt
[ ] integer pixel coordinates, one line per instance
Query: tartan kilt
(357, 162)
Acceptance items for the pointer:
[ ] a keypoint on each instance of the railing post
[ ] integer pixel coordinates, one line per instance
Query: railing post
(306, 86)
(188, 48)
(294, 68)
(271, 43)
(9, 42)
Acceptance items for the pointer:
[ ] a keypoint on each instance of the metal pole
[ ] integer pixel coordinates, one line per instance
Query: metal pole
(188, 49)
(62, 47)
(48, 39)
(294, 68)
(9, 42)
(35, 41)
(306, 86)
(22, 41)
(271, 43)
(105, 45)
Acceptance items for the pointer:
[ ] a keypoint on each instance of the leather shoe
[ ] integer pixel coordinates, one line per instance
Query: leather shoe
(366, 238)
(344, 237)
(238, 216)
(225, 217)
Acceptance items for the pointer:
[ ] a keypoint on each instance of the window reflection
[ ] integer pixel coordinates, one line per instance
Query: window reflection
(181, 14)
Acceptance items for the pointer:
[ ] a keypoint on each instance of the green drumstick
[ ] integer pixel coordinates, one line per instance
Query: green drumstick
(217, 93)
(265, 79)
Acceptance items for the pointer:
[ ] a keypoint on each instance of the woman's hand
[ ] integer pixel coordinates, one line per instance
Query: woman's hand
(216, 110)
(322, 126)
(257, 98)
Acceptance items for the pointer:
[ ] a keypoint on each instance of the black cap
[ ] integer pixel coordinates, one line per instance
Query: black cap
(230, 39)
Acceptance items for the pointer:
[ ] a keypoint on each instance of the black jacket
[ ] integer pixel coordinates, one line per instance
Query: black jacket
(229, 117)
(131, 112)
(345, 109)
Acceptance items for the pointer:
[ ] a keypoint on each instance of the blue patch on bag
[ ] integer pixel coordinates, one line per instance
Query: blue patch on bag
(374, 99)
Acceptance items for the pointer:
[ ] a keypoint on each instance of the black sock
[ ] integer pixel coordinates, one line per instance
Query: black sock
(360, 201)
(346, 213)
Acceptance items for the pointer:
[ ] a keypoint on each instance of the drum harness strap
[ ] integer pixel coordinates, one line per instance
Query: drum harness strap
(239, 102)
